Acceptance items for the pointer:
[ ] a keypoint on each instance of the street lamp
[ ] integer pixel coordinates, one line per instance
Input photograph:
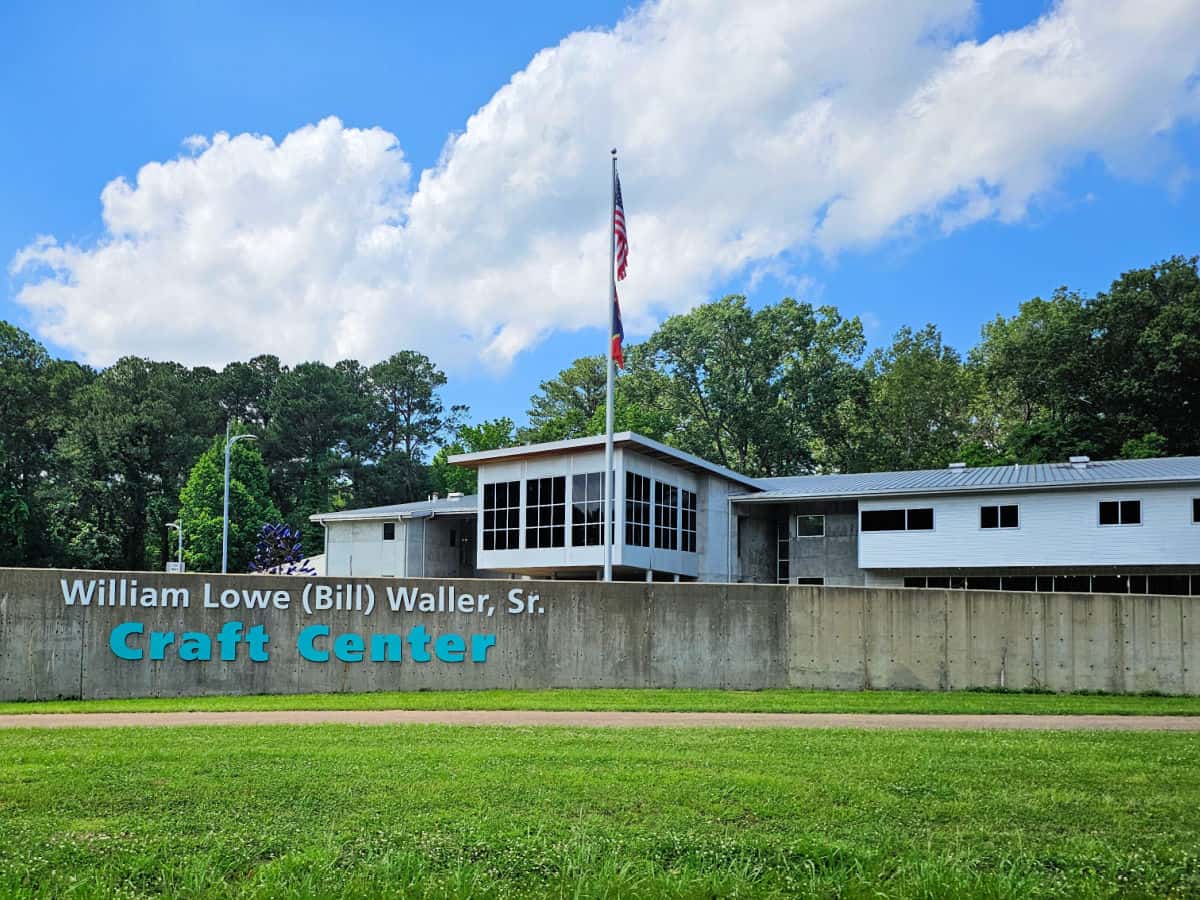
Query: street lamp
(229, 442)
(178, 526)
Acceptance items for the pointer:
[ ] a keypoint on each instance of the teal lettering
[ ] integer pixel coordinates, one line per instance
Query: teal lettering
(120, 646)
(450, 648)
(195, 645)
(479, 646)
(348, 648)
(308, 650)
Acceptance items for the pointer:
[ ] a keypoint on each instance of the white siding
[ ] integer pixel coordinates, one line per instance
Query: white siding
(1057, 528)
(567, 556)
(358, 548)
(709, 563)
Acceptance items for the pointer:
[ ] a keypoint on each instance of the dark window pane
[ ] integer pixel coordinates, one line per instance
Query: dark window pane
(1169, 584)
(914, 581)
(1008, 518)
(489, 540)
(1109, 512)
(560, 490)
(1137, 584)
(810, 526)
(1072, 584)
(989, 517)
(1019, 583)
(1131, 512)
(1110, 584)
(489, 495)
(937, 581)
(389, 531)
(453, 538)
(982, 583)
(531, 492)
(957, 582)
(579, 488)
(920, 519)
(883, 520)
(1045, 583)
(1196, 509)
(810, 581)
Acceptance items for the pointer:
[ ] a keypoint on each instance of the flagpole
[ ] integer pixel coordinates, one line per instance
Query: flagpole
(609, 497)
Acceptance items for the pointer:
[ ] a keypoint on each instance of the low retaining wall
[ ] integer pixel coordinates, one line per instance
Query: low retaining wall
(102, 634)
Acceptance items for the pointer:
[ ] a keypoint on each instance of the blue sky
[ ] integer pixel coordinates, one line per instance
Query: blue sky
(93, 93)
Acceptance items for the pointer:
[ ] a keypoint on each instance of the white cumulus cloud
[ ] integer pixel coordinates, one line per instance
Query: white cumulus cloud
(750, 133)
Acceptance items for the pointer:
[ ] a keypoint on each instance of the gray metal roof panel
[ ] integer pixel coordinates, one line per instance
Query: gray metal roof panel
(443, 506)
(935, 481)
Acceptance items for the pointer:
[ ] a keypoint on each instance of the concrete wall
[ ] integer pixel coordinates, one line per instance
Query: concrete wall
(833, 556)
(586, 634)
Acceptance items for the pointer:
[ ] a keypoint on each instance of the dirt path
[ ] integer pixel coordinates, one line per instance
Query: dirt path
(609, 720)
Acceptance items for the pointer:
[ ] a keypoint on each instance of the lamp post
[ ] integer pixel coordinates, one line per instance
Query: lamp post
(229, 442)
(178, 526)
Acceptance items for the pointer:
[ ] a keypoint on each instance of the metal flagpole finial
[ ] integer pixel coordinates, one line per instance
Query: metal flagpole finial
(614, 151)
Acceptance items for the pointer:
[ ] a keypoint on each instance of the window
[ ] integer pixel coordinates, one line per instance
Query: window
(502, 515)
(810, 581)
(389, 531)
(637, 510)
(920, 519)
(1169, 584)
(917, 581)
(453, 537)
(810, 526)
(689, 521)
(1120, 512)
(983, 583)
(782, 553)
(666, 516)
(546, 512)
(1020, 583)
(998, 516)
(1196, 510)
(587, 510)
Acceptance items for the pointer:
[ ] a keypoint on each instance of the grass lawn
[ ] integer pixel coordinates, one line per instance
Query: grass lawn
(441, 811)
(986, 702)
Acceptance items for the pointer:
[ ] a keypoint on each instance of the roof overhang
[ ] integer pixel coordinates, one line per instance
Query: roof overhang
(769, 496)
(644, 445)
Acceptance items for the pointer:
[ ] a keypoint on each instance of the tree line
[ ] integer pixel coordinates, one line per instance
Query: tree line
(93, 464)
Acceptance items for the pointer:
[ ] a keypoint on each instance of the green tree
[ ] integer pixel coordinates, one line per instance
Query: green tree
(318, 424)
(121, 460)
(201, 505)
(1146, 348)
(566, 405)
(408, 414)
(492, 434)
(641, 395)
(755, 390)
(244, 390)
(918, 409)
(1073, 375)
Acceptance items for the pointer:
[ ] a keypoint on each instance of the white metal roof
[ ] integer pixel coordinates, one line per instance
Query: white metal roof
(420, 509)
(638, 442)
(984, 479)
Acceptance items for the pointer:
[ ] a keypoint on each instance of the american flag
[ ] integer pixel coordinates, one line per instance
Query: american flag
(619, 229)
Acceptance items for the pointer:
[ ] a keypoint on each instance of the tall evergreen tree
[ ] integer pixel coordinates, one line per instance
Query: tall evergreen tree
(202, 502)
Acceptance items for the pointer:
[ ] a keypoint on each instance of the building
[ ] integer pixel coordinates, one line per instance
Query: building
(1123, 526)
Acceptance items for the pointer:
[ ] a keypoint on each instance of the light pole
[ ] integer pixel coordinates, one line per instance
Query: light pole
(229, 442)
(178, 526)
